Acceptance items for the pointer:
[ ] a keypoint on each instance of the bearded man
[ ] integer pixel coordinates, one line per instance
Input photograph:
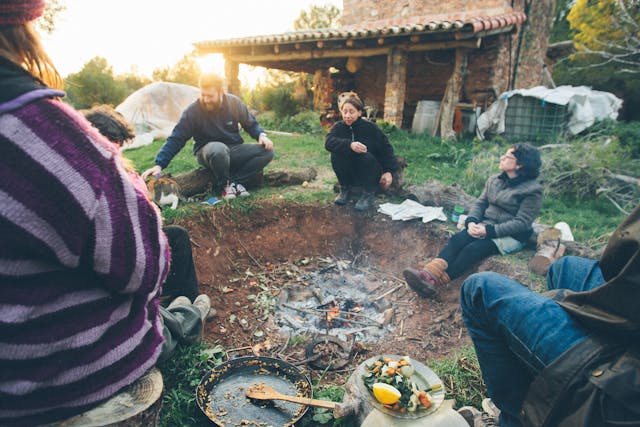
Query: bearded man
(212, 121)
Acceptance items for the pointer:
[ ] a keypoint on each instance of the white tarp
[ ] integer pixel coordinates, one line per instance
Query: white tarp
(584, 105)
(155, 109)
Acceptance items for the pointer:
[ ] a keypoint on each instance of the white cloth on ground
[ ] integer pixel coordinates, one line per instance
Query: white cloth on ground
(410, 209)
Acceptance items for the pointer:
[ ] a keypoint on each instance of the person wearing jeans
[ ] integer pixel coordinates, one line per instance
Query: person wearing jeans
(538, 352)
(499, 222)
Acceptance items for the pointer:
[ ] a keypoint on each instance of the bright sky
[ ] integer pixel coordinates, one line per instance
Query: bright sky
(141, 35)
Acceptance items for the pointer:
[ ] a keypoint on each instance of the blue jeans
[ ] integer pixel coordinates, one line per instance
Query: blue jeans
(517, 332)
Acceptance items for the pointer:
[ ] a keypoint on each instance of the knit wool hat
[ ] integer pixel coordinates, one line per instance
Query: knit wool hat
(17, 12)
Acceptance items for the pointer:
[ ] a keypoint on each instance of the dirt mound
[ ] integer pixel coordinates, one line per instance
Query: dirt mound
(244, 260)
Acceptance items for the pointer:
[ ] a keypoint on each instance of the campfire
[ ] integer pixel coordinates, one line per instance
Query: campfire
(336, 303)
(337, 315)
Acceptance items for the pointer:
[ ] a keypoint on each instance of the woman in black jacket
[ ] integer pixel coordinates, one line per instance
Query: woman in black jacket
(360, 154)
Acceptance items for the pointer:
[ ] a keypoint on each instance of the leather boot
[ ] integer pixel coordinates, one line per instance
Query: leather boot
(437, 268)
(366, 200)
(344, 196)
(421, 281)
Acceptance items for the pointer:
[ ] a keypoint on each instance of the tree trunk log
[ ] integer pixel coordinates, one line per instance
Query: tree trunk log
(434, 193)
(200, 181)
(135, 406)
(195, 182)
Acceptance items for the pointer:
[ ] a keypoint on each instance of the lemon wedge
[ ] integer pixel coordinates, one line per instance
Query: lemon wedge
(386, 393)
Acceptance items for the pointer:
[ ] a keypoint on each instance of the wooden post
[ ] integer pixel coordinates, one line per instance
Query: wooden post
(452, 95)
(322, 90)
(231, 69)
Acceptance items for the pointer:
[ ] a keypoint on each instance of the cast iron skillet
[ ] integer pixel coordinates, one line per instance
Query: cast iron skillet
(221, 392)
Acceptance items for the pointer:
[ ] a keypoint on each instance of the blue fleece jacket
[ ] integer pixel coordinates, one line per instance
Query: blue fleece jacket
(208, 126)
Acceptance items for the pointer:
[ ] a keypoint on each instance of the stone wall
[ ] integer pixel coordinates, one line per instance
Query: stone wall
(355, 12)
(489, 70)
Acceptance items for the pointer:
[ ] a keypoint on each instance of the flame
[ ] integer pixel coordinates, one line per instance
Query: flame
(332, 313)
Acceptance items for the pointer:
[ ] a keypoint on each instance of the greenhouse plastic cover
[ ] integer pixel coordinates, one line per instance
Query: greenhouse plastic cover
(155, 109)
(584, 105)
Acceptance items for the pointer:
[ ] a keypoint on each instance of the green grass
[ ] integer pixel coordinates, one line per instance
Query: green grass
(181, 374)
(460, 374)
(428, 158)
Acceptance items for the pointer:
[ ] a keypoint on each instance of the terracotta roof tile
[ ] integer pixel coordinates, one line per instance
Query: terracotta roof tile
(389, 27)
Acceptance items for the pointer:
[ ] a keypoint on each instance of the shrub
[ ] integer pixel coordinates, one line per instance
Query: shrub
(628, 134)
(279, 99)
(305, 122)
(587, 169)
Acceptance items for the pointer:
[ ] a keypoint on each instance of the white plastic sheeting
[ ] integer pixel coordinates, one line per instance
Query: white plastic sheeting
(155, 109)
(584, 105)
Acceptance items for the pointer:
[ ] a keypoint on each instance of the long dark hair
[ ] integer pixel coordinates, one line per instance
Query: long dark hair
(528, 158)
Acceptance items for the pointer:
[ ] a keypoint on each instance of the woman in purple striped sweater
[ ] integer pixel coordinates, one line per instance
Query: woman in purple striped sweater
(82, 254)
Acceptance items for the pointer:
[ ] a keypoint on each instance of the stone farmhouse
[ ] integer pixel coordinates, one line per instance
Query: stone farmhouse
(395, 53)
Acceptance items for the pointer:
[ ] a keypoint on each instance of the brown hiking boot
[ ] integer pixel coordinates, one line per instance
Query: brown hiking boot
(421, 281)
(437, 267)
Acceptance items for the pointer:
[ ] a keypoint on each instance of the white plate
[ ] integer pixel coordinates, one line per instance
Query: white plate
(423, 377)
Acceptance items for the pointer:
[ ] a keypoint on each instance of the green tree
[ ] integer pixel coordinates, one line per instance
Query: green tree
(185, 71)
(606, 35)
(326, 16)
(132, 82)
(47, 22)
(94, 84)
(560, 30)
(608, 32)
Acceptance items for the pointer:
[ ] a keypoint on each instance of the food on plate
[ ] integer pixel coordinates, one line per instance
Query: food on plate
(390, 382)
(386, 393)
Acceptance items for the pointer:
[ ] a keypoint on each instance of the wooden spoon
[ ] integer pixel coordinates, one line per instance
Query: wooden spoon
(264, 392)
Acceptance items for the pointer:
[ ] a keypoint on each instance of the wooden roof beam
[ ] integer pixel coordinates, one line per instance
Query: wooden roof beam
(248, 58)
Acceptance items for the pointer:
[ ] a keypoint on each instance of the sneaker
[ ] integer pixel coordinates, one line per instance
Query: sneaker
(475, 418)
(241, 191)
(421, 281)
(485, 420)
(490, 408)
(203, 303)
(179, 301)
(366, 201)
(229, 192)
(469, 413)
(344, 196)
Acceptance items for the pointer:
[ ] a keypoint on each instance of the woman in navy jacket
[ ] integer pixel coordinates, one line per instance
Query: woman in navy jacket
(360, 154)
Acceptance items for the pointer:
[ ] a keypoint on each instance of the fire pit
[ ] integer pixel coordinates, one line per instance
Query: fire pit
(338, 303)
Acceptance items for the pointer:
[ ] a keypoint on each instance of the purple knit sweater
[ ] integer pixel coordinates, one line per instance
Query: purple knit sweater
(82, 259)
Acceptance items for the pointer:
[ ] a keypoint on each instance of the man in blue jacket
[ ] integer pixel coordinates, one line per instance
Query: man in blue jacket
(212, 121)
